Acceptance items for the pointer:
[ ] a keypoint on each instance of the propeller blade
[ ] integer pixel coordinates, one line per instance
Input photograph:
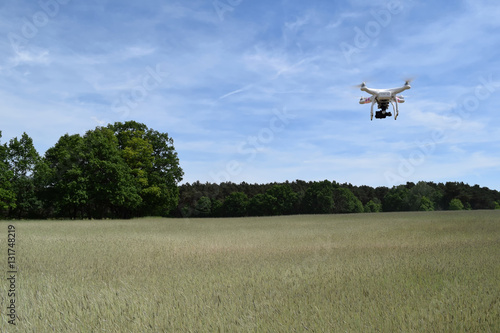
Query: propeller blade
(363, 84)
(409, 80)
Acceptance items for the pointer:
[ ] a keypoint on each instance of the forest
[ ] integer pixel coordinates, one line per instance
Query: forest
(127, 170)
(328, 197)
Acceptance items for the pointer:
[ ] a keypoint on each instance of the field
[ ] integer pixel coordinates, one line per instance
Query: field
(422, 272)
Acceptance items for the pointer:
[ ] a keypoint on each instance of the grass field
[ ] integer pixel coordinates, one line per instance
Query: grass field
(425, 272)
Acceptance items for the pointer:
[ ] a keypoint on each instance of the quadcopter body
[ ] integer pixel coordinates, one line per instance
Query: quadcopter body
(384, 97)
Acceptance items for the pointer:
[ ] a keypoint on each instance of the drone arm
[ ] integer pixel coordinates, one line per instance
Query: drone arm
(370, 91)
(400, 89)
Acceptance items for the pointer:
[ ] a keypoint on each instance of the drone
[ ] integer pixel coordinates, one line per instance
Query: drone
(383, 97)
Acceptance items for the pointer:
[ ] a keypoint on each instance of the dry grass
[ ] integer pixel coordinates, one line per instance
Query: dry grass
(435, 271)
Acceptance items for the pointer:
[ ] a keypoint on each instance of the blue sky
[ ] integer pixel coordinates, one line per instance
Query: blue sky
(261, 91)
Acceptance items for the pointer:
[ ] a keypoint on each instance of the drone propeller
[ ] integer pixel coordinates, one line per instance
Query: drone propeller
(408, 80)
(363, 84)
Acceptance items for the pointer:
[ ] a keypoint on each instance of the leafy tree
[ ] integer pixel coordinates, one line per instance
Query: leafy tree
(345, 201)
(235, 204)
(88, 177)
(203, 207)
(373, 206)
(456, 204)
(381, 192)
(65, 177)
(7, 194)
(481, 197)
(154, 164)
(216, 210)
(285, 199)
(111, 188)
(262, 205)
(318, 198)
(363, 193)
(456, 190)
(165, 173)
(416, 194)
(22, 158)
(396, 200)
(426, 204)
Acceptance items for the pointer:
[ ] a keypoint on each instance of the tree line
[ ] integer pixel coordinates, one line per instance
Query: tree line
(120, 171)
(127, 170)
(328, 197)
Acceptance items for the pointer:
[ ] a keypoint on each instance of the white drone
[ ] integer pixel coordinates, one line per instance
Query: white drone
(383, 97)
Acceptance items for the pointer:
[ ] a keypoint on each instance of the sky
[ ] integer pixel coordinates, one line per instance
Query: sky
(263, 91)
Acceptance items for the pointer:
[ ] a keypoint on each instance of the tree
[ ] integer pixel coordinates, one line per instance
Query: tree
(396, 200)
(418, 192)
(111, 188)
(7, 194)
(22, 158)
(373, 206)
(318, 198)
(216, 208)
(456, 204)
(262, 205)
(203, 207)
(426, 204)
(235, 204)
(154, 164)
(364, 193)
(285, 199)
(65, 178)
(455, 190)
(345, 201)
(481, 197)
(88, 177)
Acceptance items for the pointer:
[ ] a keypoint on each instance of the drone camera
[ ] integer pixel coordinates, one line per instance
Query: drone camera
(382, 115)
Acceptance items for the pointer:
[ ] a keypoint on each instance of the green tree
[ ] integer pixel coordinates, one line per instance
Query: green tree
(87, 176)
(456, 204)
(373, 206)
(285, 199)
(165, 174)
(318, 198)
(154, 164)
(345, 201)
(216, 208)
(7, 194)
(262, 205)
(396, 200)
(111, 187)
(65, 177)
(415, 197)
(456, 190)
(203, 207)
(22, 158)
(235, 204)
(426, 204)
